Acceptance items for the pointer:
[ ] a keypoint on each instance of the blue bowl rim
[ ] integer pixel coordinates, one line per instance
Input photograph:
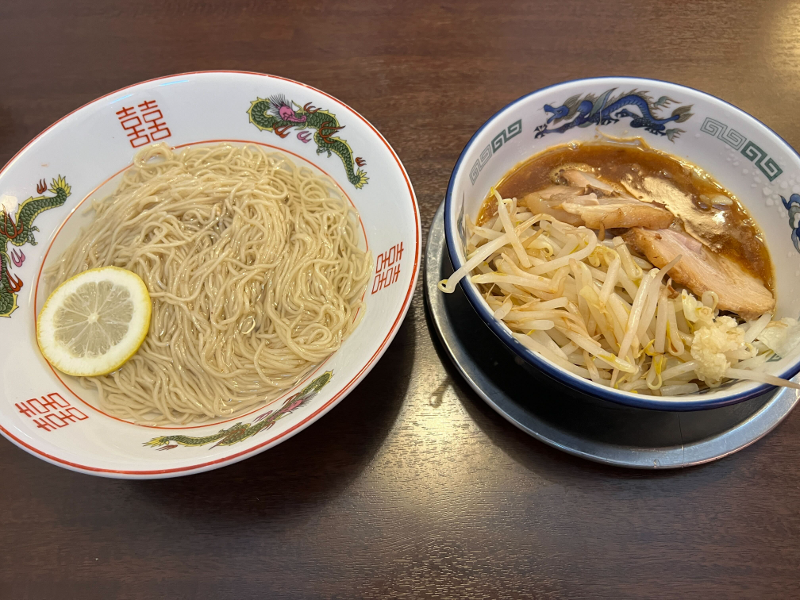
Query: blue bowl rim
(584, 386)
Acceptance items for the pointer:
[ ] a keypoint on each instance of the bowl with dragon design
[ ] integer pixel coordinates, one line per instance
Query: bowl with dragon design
(745, 156)
(45, 193)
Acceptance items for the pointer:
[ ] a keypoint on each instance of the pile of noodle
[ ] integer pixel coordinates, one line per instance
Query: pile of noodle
(254, 271)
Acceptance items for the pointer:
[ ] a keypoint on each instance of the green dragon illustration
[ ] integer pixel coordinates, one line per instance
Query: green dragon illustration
(20, 233)
(277, 115)
(240, 432)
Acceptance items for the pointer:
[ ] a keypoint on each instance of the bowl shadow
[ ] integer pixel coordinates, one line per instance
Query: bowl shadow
(542, 405)
(552, 464)
(307, 470)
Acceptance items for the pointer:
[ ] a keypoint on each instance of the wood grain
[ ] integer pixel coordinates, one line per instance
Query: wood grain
(412, 487)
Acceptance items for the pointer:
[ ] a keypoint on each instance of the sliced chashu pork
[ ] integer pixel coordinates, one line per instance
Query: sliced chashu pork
(701, 270)
(550, 199)
(586, 180)
(597, 204)
(612, 213)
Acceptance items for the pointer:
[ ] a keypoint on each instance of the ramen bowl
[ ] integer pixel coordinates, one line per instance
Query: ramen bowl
(87, 152)
(741, 153)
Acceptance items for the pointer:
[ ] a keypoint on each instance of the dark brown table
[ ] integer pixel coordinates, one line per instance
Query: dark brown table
(412, 487)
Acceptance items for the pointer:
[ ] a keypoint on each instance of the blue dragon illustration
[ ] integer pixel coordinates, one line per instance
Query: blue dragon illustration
(603, 110)
(793, 206)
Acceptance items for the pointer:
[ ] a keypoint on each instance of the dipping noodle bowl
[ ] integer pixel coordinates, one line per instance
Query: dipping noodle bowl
(624, 265)
(628, 267)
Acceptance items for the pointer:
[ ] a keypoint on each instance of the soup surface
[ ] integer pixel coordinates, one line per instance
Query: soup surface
(702, 207)
(254, 269)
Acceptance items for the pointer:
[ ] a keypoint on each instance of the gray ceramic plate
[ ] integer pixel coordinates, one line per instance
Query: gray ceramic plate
(598, 430)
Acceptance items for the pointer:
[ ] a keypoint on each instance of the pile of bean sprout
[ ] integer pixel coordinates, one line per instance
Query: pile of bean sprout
(591, 307)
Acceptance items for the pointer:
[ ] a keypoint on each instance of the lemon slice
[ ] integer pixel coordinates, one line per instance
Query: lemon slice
(94, 322)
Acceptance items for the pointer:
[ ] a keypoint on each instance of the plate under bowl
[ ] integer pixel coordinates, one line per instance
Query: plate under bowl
(601, 431)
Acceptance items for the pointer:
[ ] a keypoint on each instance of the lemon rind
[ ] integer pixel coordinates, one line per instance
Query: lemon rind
(120, 353)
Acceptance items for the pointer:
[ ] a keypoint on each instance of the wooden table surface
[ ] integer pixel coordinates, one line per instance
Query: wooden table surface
(412, 487)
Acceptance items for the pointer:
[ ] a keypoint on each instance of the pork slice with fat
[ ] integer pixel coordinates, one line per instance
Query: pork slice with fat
(615, 207)
(614, 213)
(701, 270)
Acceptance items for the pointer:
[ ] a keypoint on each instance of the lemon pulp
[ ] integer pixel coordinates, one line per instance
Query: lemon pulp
(94, 322)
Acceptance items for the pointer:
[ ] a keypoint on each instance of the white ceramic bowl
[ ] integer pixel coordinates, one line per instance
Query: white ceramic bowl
(49, 415)
(743, 154)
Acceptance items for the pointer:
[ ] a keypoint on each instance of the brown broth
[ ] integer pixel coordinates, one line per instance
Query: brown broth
(684, 188)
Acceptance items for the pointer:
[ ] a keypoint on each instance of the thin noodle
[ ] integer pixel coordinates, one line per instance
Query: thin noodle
(254, 269)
